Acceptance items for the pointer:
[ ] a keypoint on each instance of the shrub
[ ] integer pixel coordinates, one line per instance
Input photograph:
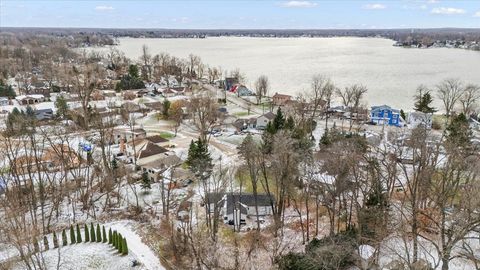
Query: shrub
(87, 233)
(72, 235)
(125, 247)
(110, 240)
(55, 240)
(79, 234)
(64, 238)
(104, 234)
(92, 233)
(45, 242)
(99, 234)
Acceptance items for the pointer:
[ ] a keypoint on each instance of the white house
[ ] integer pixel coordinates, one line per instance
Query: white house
(416, 119)
(263, 120)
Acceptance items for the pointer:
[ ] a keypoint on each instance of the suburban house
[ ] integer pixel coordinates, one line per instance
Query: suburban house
(236, 207)
(242, 124)
(241, 90)
(126, 134)
(51, 159)
(263, 120)
(148, 152)
(416, 119)
(44, 114)
(4, 101)
(229, 82)
(384, 114)
(155, 168)
(280, 99)
(30, 99)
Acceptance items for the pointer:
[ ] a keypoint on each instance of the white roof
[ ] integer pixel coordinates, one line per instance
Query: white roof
(36, 96)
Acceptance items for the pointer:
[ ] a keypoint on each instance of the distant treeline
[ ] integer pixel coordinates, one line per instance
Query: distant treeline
(103, 36)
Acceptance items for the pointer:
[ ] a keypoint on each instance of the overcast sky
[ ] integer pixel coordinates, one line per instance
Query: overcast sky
(259, 14)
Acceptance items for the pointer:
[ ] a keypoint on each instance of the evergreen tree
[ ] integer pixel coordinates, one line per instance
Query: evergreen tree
(79, 234)
(99, 234)
(192, 153)
(92, 233)
(6, 90)
(55, 240)
(279, 120)
(110, 240)
(166, 107)
(458, 131)
(125, 247)
(199, 159)
(114, 240)
(146, 182)
(72, 235)
(423, 101)
(62, 107)
(104, 234)
(64, 238)
(403, 115)
(45, 243)
(120, 243)
(290, 123)
(86, 232)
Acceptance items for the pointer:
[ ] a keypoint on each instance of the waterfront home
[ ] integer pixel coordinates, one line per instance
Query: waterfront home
(263, 120)
(280, 99)
(416, 119)
(384, 114)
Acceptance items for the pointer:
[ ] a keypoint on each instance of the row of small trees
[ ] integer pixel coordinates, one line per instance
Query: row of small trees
(94, 234)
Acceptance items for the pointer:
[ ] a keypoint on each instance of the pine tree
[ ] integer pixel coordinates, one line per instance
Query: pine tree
(104, 234)
(279, 120)
(92, 233)
(423, 101)
(72, 235)
(87, 233)
(64, 238)
(45, 243)
(125, 247)
(110, 240)
(79, 234)
(192, 153)
(55, 240)
(99, 234)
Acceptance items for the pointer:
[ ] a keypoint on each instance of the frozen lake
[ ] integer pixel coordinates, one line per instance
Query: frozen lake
(390, 73)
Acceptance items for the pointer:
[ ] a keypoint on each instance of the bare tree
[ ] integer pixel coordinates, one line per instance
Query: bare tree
(450, 91)
(469, 99)
(261, 87)
(204, 111)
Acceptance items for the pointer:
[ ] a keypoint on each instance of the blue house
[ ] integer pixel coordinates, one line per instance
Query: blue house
(386, 115)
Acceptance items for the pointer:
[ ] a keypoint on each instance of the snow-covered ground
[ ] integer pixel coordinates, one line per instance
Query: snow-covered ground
(97, 256)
